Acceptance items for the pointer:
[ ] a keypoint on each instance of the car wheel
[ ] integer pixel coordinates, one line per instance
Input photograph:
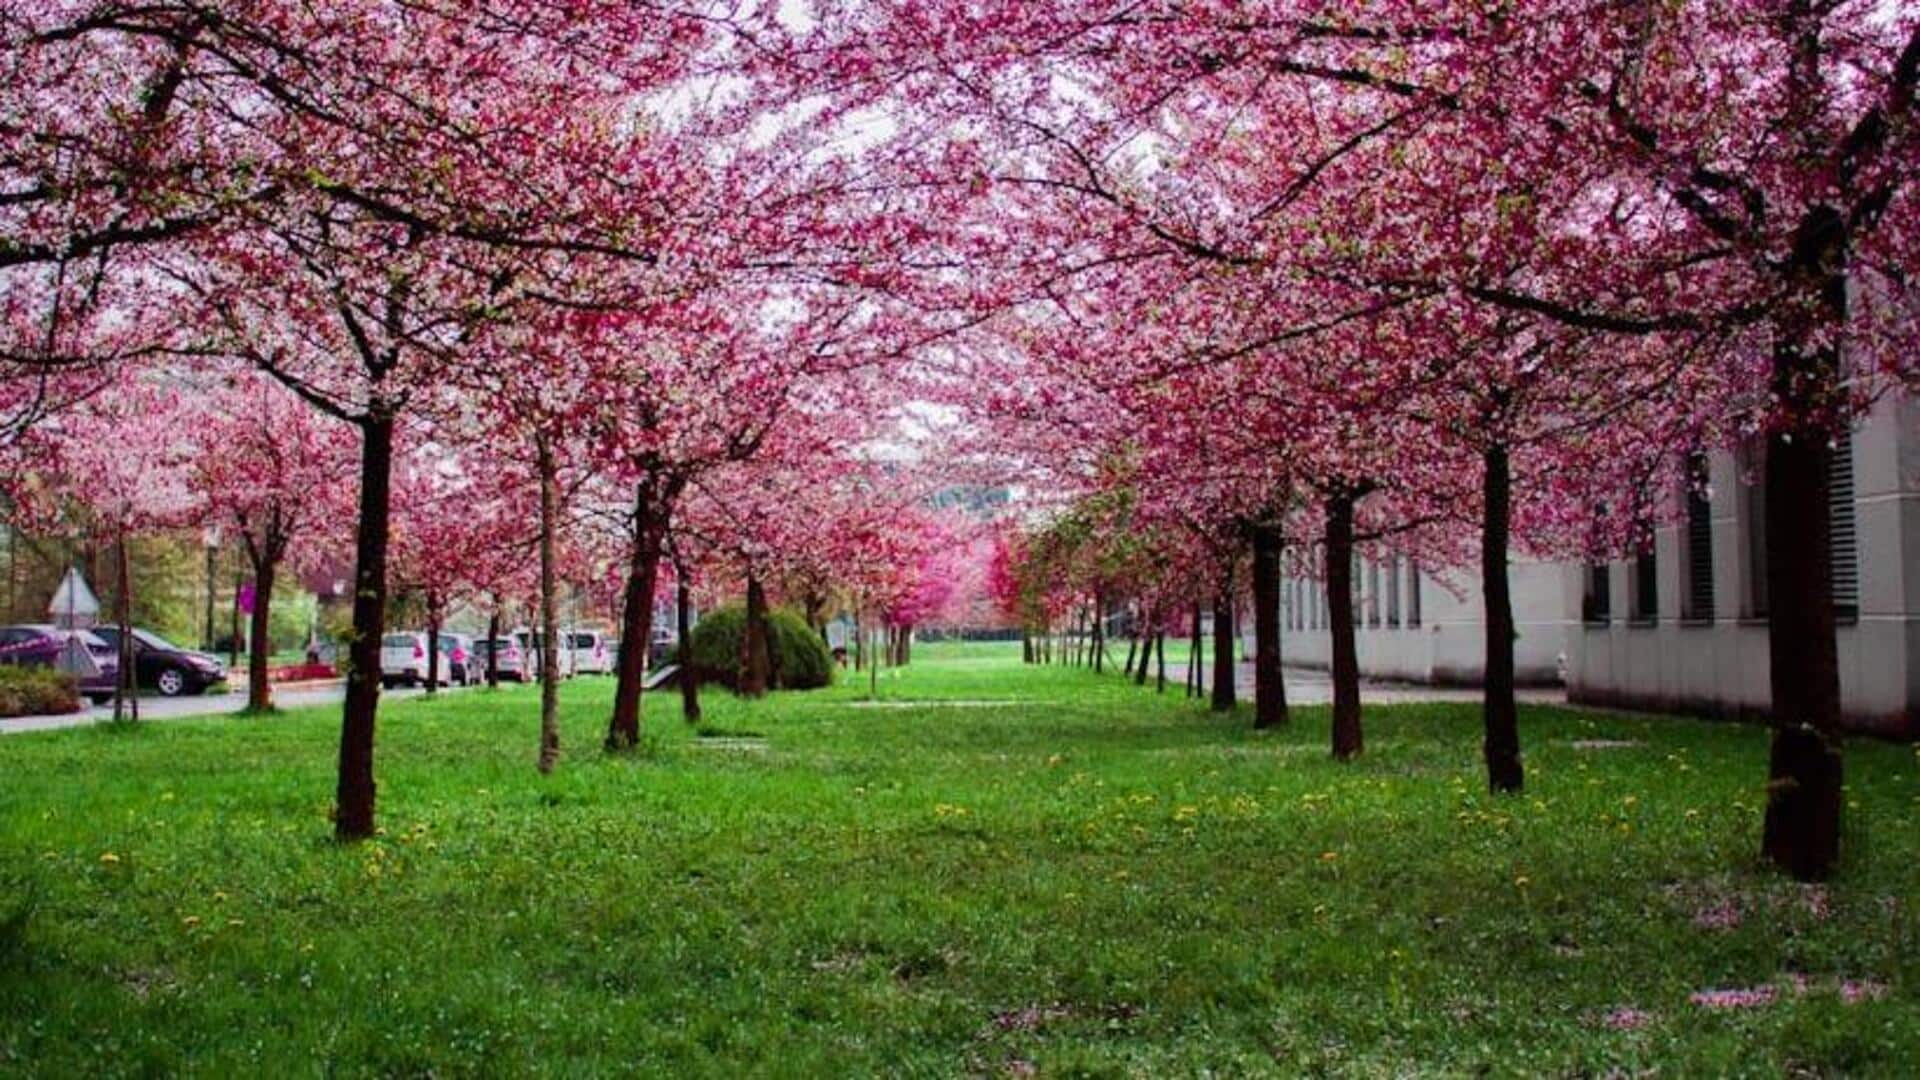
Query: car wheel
(171, 682)
(99, 699)
(387, 684)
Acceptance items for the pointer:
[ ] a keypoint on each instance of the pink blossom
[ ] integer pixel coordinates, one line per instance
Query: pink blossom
(1744, 998)
(1627, 1018)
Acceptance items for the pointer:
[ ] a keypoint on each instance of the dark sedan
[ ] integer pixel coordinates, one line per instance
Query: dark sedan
(163, 667)
(98, 673)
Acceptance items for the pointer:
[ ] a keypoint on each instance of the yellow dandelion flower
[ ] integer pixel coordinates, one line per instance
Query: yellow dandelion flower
(190, 921)
(108, 858)
(1329, 856)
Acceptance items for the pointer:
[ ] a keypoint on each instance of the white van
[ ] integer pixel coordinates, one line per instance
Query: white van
(591, 653)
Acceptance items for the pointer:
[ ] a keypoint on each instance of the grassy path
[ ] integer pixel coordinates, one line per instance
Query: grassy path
(999, 869)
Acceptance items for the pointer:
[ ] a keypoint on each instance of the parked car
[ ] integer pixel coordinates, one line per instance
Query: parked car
(459, 660)
(530, 640)
(513, 662)
(164, 667)
(591, 654)
(39, 645)
(403, 659)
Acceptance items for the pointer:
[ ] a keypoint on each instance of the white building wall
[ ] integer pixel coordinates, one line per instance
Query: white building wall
(1719, 666)
(1448, 646)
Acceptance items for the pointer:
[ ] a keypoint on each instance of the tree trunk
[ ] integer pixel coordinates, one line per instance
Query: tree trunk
(434, 618)
(1269, 681)
(126, 689)
(1348, 737)
(650, 520)
(1225, 693)
(235, 638)
(1133, 651)
(1026, 647)
(1196, 659)
(1504, 771)
(354, 796)
(260, 650)
(493, 654)
(550, 606)
(1160, 662)
(683, 628)
(756, 663)
(1805, 799)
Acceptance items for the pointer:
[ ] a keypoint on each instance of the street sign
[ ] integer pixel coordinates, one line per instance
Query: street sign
(74, 606)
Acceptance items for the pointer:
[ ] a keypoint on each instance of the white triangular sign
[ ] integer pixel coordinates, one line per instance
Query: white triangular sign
(74, 604)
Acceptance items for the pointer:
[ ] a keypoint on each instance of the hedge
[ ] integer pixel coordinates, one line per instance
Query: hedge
(800, 659)
(36, 691)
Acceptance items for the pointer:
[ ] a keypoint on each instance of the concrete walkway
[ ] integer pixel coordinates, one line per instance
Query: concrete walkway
(1307, 686)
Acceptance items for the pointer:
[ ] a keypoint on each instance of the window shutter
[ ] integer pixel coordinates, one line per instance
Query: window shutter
(1843, 530)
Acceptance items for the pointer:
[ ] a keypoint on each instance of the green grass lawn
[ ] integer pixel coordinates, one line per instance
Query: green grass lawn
(1050, 870)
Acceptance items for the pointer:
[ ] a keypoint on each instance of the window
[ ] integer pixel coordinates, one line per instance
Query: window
(1596, 604)
(1393, 592)
(1373, 595)
(1697, 590)
(1413, 594)
(1843, 531)
(1644, 573)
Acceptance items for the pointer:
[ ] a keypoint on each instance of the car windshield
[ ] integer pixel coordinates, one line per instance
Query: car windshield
(397, 641)
(584, 641)
(154, 641)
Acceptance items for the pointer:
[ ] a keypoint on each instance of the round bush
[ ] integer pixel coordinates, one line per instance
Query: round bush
(36, 691)
(800, 658)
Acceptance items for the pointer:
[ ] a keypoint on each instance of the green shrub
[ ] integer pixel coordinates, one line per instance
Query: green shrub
(37, 691)
(800, 658)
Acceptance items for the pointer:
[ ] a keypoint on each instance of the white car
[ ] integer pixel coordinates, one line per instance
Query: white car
(512, 661)
(591, 653)
(403, 659)
(529, 642)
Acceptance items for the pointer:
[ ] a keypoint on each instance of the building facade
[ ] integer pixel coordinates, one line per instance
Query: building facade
(1682, 627)
(1414, 626)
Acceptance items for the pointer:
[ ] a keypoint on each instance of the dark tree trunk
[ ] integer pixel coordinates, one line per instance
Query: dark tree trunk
(126, 689)
(235, 638)
(650, 520)
(550, 607)
(756, 662)
(683, 629)
(1269, 680)
(1805, 800)
(1196, 659)
(1160, 662)
(1026, 647)
(493, 654)
(1348, 737)
(1504, 771)
(1133, 654)
(354, 796)
(1225, 694)
(433, 643)
(260, 650)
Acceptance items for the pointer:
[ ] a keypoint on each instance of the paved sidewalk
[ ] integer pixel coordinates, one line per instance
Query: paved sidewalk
(285, 695)
(1308, 686)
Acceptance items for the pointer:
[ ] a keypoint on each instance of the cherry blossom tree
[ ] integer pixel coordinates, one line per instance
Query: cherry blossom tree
(264, 465)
